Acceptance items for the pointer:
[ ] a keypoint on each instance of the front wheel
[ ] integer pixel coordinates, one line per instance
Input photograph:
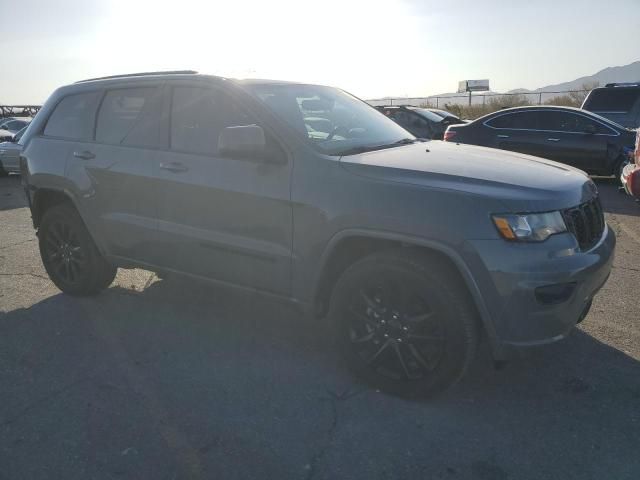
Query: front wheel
(622, 162)
(404, 322)
(69, 255)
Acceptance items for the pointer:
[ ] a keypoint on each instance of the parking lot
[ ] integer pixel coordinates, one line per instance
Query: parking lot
(166, 379)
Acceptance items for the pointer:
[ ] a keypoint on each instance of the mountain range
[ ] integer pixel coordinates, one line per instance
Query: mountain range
(624, 73)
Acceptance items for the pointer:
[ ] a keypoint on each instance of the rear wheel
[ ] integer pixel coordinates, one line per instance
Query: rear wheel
(622, 162)
(404, 322)
(69, 254)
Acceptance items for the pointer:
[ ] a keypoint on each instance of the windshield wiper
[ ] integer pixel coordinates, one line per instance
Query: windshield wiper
(405, 141)
(371, 148)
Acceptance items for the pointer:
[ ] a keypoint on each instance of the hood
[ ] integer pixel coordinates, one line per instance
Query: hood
(521, 182)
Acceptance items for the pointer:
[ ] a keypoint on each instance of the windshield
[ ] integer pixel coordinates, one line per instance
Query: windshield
(18, 135)
(428, 114)
(331, 120)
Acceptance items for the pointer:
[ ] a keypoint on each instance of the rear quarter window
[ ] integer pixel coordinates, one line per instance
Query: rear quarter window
(73, 117)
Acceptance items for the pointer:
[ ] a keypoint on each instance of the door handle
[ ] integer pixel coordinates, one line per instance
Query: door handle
(84, 155)
(503, 136)
(174, 167)
(553, 139)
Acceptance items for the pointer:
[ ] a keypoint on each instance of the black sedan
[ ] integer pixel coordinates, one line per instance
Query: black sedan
(564, 134)
(421, 122)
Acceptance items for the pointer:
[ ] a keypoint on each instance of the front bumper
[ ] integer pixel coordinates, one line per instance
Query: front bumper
(535, 293)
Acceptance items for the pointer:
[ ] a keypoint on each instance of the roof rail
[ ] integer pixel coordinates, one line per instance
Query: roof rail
(405, 106)
(142, 74)
(623, 84)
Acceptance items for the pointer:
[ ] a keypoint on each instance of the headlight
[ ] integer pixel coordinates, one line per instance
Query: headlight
(533, 227)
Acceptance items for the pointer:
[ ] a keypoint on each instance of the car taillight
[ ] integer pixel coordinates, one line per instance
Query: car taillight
(449, 134)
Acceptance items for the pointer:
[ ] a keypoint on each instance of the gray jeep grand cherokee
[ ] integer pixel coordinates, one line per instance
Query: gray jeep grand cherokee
(412, 250)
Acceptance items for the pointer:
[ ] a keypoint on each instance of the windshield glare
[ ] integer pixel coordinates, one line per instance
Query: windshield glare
(329, 119)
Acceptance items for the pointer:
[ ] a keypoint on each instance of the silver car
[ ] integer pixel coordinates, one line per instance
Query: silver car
(411, 250)
(10, 154)
(10, 126)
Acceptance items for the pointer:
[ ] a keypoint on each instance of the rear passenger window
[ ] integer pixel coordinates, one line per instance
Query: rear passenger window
(198, 115)
(570, 122)
(120, 114)
(73, 117)
(518, 120)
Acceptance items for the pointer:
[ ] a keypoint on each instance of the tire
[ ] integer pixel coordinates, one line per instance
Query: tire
(404, 322)
(619, 167)
(3, 172)
(69, 254)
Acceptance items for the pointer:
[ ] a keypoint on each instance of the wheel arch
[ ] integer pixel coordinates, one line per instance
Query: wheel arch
(351, 245)
(44, 198)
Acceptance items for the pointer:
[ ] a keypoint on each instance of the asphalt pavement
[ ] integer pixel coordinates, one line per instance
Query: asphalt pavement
(172, 379)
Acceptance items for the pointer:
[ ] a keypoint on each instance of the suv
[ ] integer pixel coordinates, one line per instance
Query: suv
(411, 250)
(619, 102)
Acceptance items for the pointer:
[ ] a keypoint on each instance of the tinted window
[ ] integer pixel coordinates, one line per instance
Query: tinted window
(434, 117)
(15, 125)
(569, 122)
(401, 117)
(120, 113)
(612, 100)
(73, 117)
(518, 120)
(198, 115)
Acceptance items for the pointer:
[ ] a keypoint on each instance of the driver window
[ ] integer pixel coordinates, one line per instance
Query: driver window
(198, 115)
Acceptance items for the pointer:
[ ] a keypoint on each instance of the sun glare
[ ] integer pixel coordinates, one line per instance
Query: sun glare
(281, 39)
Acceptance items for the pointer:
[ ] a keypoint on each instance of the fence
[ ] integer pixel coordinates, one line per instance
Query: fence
(18, 110)
(439, 101)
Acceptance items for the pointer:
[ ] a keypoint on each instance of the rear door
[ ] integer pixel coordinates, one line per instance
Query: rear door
(224, 218)
(514, 131)
(575, 139)
(114, 169)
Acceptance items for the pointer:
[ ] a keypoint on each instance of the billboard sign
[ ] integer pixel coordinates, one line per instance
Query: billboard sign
(473, 86)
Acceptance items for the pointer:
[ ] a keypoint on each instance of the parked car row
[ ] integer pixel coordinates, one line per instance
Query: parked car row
(422, 122)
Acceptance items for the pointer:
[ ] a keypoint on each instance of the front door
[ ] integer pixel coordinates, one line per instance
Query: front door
(574, 139)
(218, 217)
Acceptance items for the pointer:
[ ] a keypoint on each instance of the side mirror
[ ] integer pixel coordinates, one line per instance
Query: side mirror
(242, 142)
(590, 129)
(4, 127)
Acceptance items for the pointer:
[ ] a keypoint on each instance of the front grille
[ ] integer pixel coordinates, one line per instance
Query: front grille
(586, 222)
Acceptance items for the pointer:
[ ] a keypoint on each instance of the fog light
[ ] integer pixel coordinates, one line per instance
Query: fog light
(554, 294)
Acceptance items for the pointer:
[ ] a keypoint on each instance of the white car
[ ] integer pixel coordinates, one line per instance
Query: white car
(10, 154)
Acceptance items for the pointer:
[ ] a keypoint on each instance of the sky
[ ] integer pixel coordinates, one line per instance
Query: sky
(369, 48)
